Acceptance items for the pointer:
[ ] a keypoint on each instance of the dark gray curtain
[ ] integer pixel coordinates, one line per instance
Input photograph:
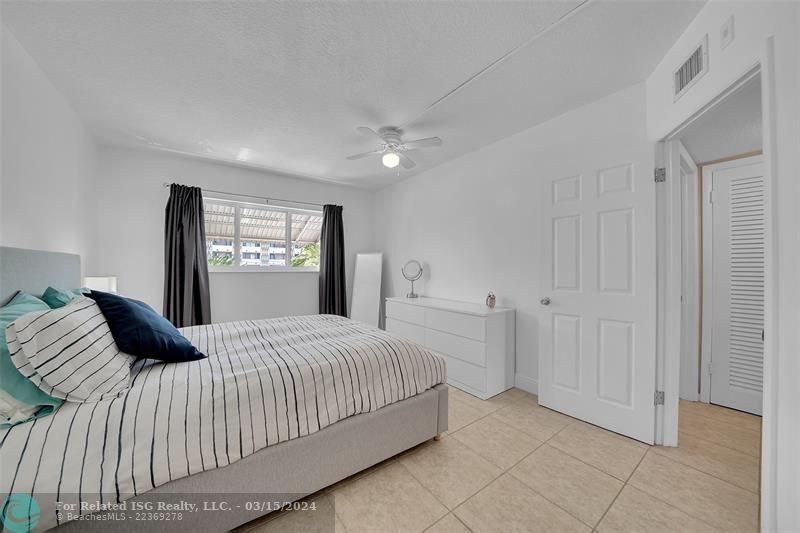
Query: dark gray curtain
(186, 298)
(332, 289)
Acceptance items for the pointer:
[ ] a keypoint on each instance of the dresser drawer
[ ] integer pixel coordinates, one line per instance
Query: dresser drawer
(412, 332)
(406, 313)
(472, 327)
(461, 348)
(465, 374)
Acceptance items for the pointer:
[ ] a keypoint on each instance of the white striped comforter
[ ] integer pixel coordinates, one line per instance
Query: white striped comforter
(263, 382)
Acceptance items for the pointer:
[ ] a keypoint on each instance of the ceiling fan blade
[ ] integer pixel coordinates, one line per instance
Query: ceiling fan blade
(364, 154)
(406, 161)
(369, 131)
(423, 143)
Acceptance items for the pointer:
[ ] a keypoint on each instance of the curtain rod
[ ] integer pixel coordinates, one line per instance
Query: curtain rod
(267, 198)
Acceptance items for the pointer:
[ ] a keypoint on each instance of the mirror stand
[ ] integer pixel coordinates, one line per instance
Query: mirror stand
(412, 294)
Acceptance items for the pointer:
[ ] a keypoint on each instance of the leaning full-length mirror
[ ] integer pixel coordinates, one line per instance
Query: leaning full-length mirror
(367, 289)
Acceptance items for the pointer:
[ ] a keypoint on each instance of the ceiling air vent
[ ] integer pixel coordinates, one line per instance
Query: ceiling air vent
(692, 69)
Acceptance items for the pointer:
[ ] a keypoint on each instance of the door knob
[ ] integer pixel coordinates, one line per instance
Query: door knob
(545, 301)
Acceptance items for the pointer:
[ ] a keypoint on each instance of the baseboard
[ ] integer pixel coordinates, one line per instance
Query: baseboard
(527, 384)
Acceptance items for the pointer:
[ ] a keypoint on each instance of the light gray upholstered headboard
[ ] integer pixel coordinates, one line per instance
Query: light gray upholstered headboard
(34, 270)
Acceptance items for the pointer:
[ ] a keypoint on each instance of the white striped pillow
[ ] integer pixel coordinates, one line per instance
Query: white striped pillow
(69, 352)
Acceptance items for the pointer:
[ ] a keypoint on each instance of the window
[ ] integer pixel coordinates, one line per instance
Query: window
(259, 237)
(305, 232)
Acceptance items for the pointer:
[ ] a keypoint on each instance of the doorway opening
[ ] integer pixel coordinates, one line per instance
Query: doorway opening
(713, 228)
(723, 214)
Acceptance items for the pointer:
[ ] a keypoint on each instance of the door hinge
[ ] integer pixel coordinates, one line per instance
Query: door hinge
(660, 174)
(658, 398)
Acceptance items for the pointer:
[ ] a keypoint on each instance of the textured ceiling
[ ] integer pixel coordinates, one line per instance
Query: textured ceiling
(283, 85)
(731, 128)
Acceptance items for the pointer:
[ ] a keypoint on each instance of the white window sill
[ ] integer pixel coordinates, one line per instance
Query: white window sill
(262, 270)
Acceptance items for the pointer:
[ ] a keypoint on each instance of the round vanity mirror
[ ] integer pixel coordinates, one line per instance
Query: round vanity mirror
(412, 271)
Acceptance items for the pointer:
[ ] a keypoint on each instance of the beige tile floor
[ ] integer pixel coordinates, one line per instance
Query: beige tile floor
(508, 464)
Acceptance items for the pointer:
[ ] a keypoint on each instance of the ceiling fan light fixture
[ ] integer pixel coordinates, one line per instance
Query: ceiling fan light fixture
(393, 149)
(390, 159)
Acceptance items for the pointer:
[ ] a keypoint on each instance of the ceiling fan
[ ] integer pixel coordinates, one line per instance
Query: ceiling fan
(393, 151)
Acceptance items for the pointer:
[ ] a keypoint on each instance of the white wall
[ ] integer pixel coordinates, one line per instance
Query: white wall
(758, 26)
(48, 160)
(754, 21)
(128, 204)
(729, 129)
(61, 191)
(474, 222)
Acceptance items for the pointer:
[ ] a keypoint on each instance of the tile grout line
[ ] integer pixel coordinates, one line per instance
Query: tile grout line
(575, 421)
(668, 504)
(449, 511)
(508, 471)
(732, 425)
(572, 421)
(461, 521)
(715, 476)
(624, 484)
(696, 436)
(696, 469)
(502, 471)
(715, 443)
(453, 432)
(440, 502)
(375, 468)
(450, 432)
(693, 411)
(699, 518)
(507, 425)
(593, 466)
(326, 491)
(445, 516)
(332, 496)
(397, 459)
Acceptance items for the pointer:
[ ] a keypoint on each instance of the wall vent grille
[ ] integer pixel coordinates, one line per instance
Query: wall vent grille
(692, 69)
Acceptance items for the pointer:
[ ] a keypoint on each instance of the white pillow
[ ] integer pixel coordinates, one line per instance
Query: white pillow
(69, 352)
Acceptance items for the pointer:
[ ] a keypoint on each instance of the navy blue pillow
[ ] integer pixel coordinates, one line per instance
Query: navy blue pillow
(139, 330)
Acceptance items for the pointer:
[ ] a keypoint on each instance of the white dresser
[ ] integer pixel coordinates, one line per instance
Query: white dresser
(477, 342)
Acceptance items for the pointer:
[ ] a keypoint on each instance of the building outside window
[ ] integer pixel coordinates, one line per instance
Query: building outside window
(259, 237)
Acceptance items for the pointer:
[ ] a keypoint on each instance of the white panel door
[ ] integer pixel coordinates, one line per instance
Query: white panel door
(737, 270)
(597, 356)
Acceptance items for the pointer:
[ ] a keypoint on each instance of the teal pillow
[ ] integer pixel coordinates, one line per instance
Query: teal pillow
(11, 380)
(56, 298)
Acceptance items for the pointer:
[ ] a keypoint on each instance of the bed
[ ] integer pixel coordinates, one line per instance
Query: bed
(280, 409)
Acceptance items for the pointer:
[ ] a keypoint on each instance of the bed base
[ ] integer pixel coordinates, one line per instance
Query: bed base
(294, 469)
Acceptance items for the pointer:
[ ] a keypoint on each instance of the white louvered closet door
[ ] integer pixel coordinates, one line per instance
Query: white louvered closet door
(737, 349)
